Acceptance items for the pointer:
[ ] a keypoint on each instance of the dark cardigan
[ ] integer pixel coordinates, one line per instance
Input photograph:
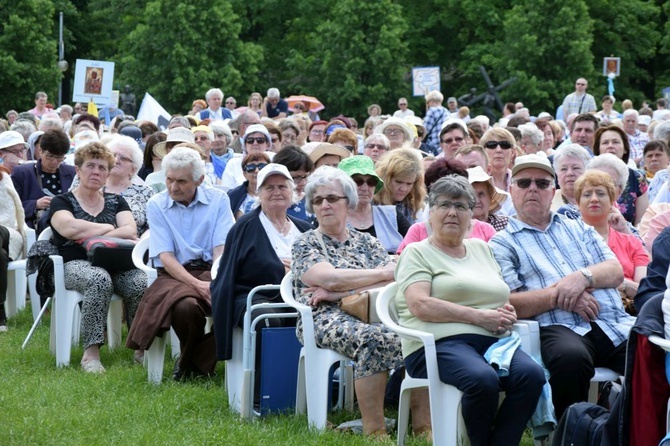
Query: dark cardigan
(248, 261)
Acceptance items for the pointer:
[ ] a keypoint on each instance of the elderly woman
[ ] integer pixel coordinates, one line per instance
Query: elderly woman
(385, 222)
(569, 163)
(397, 131)
(243, 197)
(300, 166)
(402, 173)
(531, 138)
(549, 140)
(290, 131)
(488, 200)
(499, 145)
(326, 154)
(375, 146)
(451, 287)
(634, 200)
(317, 131)
(258, 252)
(256, 139)
(374, 110)
(85, 212)
(121, 179)
(332, 262)
(596, 194)
(37, 183)
(220, 150)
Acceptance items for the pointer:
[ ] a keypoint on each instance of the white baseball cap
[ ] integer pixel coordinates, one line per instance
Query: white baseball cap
(272, 169)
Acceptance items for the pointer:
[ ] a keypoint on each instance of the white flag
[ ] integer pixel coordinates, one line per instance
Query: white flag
(151, 110)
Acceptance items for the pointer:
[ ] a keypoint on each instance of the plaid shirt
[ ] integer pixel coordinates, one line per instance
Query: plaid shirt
(637, 142)
(433, 124)
(573, 104)
(531, 259)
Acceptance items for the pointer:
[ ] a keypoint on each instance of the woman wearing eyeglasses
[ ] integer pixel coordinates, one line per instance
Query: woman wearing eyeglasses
(332, 262)
(256, 139)
(37, 183)
(499, 145)
(384, 222)
(243, 197)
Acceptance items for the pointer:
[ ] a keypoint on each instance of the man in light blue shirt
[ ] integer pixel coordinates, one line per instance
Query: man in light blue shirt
(188, 225)
(563, 275)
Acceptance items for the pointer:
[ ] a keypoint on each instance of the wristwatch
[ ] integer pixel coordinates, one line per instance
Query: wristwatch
(589, 276)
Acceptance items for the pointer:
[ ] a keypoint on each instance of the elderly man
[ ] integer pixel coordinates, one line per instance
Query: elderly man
(636, 138)
(214, 111)
(12, 149)
(40, 105)
(580, 101)
(435, 116)
(562, 274)
(189, 224)
(274, 107)
(231, 105)
(403, 112)
(246, 119)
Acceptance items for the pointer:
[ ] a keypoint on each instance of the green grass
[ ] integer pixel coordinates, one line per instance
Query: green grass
(41, 404)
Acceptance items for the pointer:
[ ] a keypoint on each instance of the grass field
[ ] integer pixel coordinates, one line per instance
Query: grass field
(44, 405)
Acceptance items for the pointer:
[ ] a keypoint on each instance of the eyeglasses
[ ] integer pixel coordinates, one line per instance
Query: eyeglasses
(524, 183)
(316, 132)
(375, 146)
(316, 201)
(299, 178)
(290, 138)
(250, 168)
(505, 145)
(458, 139)
(370, 181)
(51, 157)
(230, 103)
(256, 140)
(392, 132)
(123, 158)
(446, 205)
(15, 152)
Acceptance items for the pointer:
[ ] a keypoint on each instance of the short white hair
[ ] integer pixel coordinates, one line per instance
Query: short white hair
(273, 92)
(212, 91)
(610, 160)
(631, 111)
(184, 158)
(531, 131)
(136, 155)
(434, 96)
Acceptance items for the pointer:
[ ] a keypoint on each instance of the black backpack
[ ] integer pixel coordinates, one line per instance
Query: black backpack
(581, 425)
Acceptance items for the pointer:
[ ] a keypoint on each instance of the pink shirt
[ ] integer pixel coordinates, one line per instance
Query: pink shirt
(629, 251)
(419, 231)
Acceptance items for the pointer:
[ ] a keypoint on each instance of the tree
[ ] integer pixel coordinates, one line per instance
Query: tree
(28, 52)
(174, 57)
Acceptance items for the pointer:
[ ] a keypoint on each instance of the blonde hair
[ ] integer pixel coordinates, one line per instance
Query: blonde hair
(402, 162)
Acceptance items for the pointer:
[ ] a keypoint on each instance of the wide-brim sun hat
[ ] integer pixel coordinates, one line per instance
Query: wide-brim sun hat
(177, 134)
(361, 165)
(326, 148)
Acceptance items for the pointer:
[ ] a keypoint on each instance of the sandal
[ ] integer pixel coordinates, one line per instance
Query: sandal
(92, 366)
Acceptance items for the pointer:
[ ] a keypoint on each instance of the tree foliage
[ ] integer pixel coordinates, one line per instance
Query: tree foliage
(28, 53)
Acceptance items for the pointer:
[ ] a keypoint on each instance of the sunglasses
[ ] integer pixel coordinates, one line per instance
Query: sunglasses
(250, 168)
(370, 181)
(256, 140)
(505, 145)
(524, 183)
(329, 198)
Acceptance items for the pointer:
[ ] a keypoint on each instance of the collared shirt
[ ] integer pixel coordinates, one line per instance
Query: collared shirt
(657, 186)
(578, 104)
(435, 116)
(532, 259)
(189, 232)
(637, 142)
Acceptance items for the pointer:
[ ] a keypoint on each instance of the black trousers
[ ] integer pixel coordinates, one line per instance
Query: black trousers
(4, 263)
(571, 360)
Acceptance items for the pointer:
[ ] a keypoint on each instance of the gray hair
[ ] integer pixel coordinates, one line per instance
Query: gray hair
(118, 141)
(452, 186)
(531, 131)
(379, 137)
(571, 151)
(434, 95)
(631, 111)
(273, 93)
(326, 176)
(212, 91)
(182, 120)
(67, 108)
(610, 160)
(50, 120)
(184, 158)
(221, 128)
(24, 127)
(662, 131)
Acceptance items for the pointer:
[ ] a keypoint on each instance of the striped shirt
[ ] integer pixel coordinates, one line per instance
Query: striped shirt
(532, 259)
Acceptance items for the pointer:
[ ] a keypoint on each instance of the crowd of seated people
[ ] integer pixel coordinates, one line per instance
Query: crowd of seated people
(549, 221)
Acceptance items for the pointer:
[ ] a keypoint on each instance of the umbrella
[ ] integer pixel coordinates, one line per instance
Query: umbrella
(311, 103)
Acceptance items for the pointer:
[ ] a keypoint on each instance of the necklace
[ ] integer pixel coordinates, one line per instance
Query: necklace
(281, 230)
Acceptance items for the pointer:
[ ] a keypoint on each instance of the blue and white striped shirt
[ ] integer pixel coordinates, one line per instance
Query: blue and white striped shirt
(532, 259)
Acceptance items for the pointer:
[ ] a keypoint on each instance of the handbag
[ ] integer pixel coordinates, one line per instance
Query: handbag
(110, 253)
(358, 305)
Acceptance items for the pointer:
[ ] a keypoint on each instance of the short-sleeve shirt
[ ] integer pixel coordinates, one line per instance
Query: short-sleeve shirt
(629, 251)
(273, 112)
(189, 232)
(69, 249)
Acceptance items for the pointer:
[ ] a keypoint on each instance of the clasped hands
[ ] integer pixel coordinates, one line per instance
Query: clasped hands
(571, 293)
(500, 320)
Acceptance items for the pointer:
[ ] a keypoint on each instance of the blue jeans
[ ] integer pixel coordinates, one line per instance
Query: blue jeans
(461, 364)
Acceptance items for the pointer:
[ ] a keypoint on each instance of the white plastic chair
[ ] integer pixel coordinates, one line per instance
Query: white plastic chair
(65, 316)
(154, 358)
(314, 367)
(17, 282)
